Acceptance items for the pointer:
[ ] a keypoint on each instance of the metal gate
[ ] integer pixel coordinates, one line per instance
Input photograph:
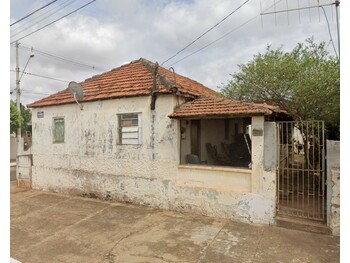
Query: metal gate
(301, 169)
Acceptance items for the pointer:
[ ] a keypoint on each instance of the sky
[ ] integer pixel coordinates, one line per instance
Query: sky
(108, 33)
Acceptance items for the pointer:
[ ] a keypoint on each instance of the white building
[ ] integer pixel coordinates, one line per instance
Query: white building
(152, 137)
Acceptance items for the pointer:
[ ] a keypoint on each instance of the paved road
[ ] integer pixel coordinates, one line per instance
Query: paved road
(48, 227)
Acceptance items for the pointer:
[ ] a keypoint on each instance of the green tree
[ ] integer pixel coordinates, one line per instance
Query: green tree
(27, 117)
(15, 118)
(305, 82)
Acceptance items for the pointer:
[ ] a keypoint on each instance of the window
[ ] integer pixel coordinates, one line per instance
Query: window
(129, 128)
(58, 130)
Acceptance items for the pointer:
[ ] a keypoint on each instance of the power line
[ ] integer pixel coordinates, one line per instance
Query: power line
(54, 21)
(213, 42)
(206, 32)
(225, 35)
(230, 32)
(329, 31)
(75, 62)
(52, 9)
(41, 76)
(49, 14)
(33, 12)
(35, 93)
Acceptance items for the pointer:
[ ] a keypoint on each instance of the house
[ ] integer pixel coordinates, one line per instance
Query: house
(150, 136)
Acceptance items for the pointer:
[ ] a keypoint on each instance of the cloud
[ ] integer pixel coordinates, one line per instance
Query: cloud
(108, 33)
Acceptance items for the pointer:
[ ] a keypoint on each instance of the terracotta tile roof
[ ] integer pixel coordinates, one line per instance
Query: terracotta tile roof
(219, 107)
(133, 79)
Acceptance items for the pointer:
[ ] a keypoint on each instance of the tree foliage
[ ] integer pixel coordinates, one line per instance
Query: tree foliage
(15, 118)
(305, 82)
(27, 117)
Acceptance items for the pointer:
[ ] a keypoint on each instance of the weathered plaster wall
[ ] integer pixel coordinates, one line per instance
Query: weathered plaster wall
(224, 178)
(91, 162)
(333, 186)
(24, 170)
(91, 139)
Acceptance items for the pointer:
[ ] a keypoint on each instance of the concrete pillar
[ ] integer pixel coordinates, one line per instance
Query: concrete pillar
(333, 186)
(257, 153)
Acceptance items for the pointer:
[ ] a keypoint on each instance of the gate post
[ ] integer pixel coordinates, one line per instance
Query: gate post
(264, 166)
(257, 153)
(333, 186)
(270, 164)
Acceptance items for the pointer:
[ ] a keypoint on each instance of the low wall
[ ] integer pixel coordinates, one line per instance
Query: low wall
(225, 178)
(181, 195)
(24, 170)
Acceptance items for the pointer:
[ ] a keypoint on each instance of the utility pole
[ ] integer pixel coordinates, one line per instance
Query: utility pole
(337, 2)
(18, 91)
(18, 103)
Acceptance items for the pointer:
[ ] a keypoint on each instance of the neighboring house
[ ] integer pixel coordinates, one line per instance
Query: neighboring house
(149, 136)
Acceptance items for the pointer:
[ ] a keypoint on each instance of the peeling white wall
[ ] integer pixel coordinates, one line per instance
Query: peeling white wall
(91, 162)
(333, 186)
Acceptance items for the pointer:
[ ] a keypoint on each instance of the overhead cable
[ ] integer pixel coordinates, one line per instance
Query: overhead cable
(35, 93)
(75, 62)
(206, 32)
(329, 31)
(33, 12)
(225, 35)
(49, 13)
(54, 21)
(41, 76)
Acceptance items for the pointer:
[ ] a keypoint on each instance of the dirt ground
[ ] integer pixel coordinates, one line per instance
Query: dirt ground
(49, 227)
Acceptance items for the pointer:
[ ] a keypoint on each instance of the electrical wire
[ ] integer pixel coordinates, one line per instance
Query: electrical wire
(33, 12)
(41, 76)
(48, 11)
(50, 14)
(55, 21)
(35, 93)
(329, 31)
(213, 42)
(225, 35)
(206, 32)
(75, 62)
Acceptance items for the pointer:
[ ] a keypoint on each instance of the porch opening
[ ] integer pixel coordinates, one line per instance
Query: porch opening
(216, 142)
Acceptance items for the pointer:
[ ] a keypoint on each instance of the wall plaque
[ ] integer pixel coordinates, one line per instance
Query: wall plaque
(258, 132)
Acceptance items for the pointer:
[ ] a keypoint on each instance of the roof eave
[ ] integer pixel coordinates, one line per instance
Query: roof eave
(216, 116)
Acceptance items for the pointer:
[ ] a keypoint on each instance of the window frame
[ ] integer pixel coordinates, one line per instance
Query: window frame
(54, 134)
(138, 125)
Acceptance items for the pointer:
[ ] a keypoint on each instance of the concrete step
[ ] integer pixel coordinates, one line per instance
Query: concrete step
(302, 224)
